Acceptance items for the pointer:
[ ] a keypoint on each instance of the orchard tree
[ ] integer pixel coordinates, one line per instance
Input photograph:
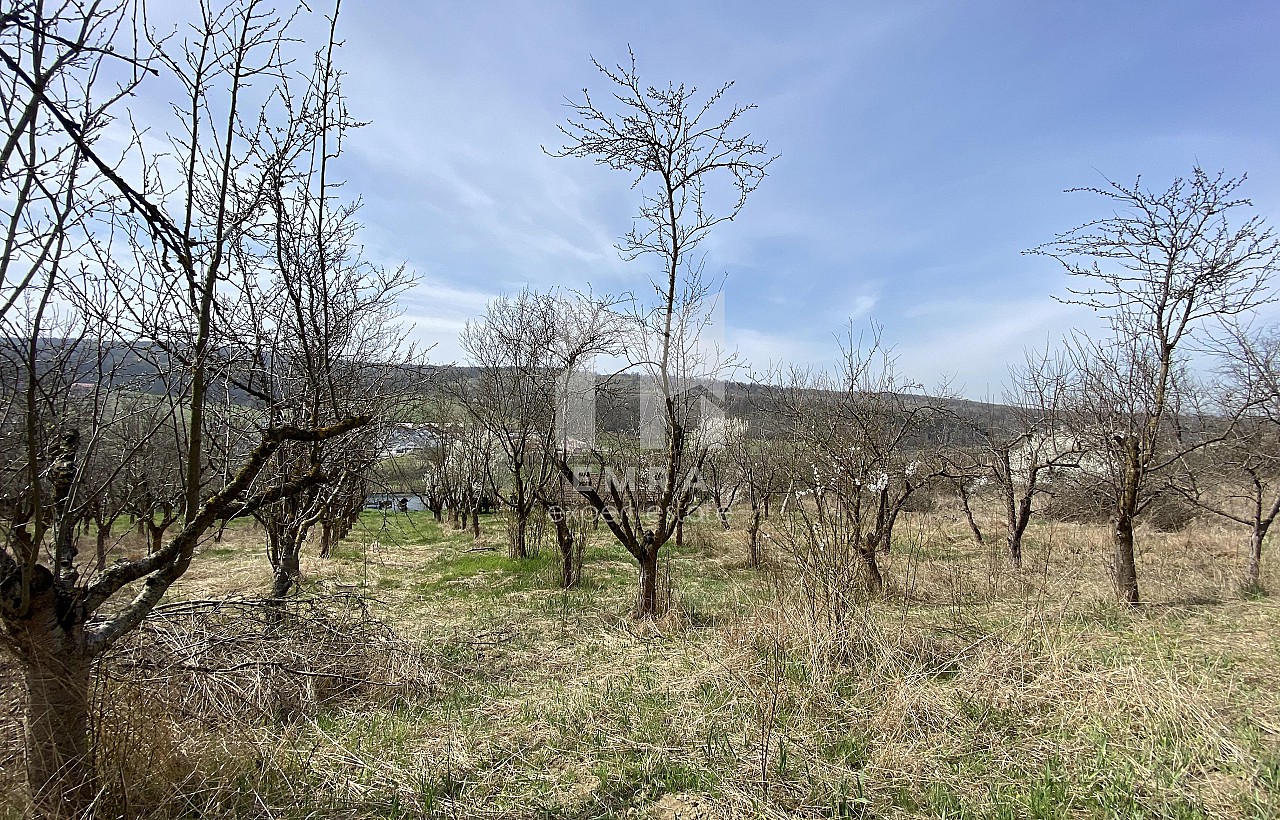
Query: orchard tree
(141, 260)
(679, 148)
(1160, 266)
(1016, 445)
(865, 441)
(1238, 477)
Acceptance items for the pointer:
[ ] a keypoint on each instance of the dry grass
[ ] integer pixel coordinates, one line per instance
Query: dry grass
(967, 691)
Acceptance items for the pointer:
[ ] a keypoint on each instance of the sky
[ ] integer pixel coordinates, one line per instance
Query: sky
(923, 146)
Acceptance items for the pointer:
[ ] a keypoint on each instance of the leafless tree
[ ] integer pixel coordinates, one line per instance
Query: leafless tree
(1016, 445)
(1159, 266)
(676, 148)
(866, 441)
(1238, 477)
(143, 271)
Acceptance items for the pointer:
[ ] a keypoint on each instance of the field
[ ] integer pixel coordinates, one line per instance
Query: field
(967, 691)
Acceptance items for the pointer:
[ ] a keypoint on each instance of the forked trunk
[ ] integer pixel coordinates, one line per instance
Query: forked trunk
(287, 570)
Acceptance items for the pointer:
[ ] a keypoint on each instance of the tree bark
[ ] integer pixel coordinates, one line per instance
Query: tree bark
(753, 538)
(647, 602)
(1125, 565)
(1018, 526)
(875, 581)
(518, 528)
(56, 669)
(1253, 565)
(288, 571)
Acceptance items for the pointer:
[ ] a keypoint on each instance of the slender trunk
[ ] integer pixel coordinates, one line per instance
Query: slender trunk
(564, 539)
(647, 602)
(1018, 526)
(100, 544)
(968, 512)
(326, 539)
(475, 521)
(753, 538)
(1253, 566)
(679, 532)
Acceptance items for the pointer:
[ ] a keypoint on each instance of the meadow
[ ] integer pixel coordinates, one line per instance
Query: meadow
(424, 674)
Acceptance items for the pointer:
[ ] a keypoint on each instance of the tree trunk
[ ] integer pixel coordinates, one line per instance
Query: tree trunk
(564, 539)
(518, 530)
(326, 539)
(875, 581)
(1125, 566)
(56, 669)
(647, 601)
(753, 538)
(1018, 526)
(1253, 565)
(100, 543)
(968, 512)
(288, 572)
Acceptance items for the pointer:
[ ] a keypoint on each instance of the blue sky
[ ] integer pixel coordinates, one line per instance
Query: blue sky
(923, 146)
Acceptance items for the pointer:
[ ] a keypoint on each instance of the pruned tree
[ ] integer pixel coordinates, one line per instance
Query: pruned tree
(1238, 477)
(1016, 446)
(676, 147)
(865, 441)
(1161, 265)
(136, 262)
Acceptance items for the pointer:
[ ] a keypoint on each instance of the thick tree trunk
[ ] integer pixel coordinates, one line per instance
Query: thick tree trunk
(875, 581)
(56, 668)
(1125, 565)
(647, 601)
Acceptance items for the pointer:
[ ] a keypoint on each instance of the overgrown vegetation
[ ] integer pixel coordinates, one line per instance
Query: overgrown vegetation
(468, 683)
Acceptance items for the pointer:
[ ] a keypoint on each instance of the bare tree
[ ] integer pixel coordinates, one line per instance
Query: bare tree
(512, 397)
(675, 147)
(1018, 444)
(1162, 264)
(1238, 477)
(139, 268)
(865, 441)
